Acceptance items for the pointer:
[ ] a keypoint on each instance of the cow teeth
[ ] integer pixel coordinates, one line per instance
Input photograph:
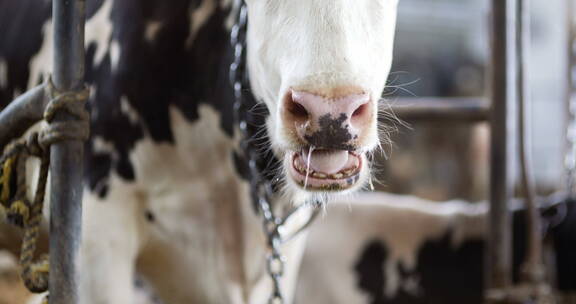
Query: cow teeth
(304, 171)
(338, 175)
(319, 175)
(299, 167)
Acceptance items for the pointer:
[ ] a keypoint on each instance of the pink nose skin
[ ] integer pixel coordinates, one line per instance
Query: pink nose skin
(328, 118)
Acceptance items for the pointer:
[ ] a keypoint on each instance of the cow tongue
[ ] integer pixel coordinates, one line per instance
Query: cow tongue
(327, 161)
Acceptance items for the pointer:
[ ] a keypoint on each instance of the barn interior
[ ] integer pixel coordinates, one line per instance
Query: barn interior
(442, 55)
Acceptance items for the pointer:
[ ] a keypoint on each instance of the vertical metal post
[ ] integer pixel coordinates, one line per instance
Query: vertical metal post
(67, 156)
(532, 266)
(503, 122)
(570, 149)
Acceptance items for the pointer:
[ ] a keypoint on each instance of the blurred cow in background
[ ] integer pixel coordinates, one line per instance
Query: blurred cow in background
(391, 249)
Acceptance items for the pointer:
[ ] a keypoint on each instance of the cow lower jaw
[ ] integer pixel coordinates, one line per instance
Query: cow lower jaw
(325, 170)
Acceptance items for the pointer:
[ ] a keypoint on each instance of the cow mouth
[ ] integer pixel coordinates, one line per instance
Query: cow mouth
(325, 170)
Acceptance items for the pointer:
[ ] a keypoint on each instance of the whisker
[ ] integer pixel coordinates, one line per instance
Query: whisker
(405, 84)
(400, 72)
(396, 88)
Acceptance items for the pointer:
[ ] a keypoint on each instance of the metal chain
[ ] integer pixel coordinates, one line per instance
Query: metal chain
(275, 262)
(261, 189)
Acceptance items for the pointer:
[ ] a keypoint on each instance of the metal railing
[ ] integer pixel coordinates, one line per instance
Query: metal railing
(468, 109)
(503, 122)
(506, 113)
(66, 163)
(570, 160)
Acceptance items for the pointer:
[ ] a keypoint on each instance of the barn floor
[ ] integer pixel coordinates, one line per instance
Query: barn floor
(12, 290)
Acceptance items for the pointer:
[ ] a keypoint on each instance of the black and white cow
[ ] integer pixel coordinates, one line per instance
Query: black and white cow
(163, 194)
(381, 248)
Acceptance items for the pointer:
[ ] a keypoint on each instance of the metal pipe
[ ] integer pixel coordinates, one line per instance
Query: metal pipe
(503, 122)
(570, 149)
(472, 109)
(532, 269)
(67, 156)
(21, 114)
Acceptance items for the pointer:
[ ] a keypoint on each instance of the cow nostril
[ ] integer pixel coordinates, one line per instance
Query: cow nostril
(297, 109)
(360, 110)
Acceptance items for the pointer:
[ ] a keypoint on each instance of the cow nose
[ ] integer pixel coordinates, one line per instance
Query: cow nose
(327, 121)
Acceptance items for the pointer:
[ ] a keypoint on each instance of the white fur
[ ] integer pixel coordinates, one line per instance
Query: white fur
(402, 223)
(111, 239)
(199, 16)
(151, 31)
(319, 44)
(130, 112)
(99, 31)
(115, 53)
(41, 64)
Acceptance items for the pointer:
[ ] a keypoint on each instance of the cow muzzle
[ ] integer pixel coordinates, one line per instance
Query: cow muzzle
(330, 131)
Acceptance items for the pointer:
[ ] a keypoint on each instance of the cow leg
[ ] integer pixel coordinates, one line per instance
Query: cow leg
(112, 236)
